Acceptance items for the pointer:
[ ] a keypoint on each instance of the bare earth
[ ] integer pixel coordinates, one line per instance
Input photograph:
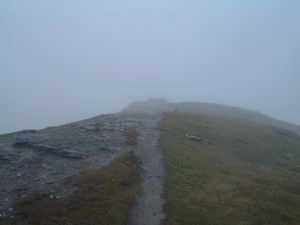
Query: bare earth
(149, 206)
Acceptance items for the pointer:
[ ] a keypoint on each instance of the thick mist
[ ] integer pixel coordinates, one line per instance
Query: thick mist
(65, 60)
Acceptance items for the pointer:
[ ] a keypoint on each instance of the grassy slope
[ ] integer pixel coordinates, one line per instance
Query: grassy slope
(240, 174)
(104, 197)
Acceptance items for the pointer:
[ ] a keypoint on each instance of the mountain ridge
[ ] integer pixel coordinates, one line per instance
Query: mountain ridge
(153, 106)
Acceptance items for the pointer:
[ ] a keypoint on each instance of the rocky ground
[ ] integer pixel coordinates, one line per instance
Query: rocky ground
(47, 161)
(44, 161)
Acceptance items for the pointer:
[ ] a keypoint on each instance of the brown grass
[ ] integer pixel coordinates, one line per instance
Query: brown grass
(132, 136)
(240, 174)
(104, 197)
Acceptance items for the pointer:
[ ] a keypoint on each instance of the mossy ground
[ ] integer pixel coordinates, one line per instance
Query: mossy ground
(7, 137)
(239, 174)
(104, 197)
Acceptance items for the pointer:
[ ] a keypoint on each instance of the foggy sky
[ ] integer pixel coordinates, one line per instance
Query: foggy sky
(64, 60)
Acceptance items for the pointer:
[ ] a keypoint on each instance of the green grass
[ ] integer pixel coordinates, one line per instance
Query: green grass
(104, 197)
(7, 137)
(239, 174)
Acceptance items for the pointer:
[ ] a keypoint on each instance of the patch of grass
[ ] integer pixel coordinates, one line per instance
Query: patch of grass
(7, 137)
(104, 197)
(239, 174)
(131, 136)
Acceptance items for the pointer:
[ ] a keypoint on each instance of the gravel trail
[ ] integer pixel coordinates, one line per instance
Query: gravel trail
(148, 209)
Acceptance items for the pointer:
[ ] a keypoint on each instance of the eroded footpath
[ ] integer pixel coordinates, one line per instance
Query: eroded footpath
(148, 209)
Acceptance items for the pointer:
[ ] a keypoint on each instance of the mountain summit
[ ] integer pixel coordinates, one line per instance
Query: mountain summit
(155, 163)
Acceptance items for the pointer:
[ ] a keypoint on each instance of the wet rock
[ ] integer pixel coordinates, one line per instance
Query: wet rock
(194, 138)
(7, 156)
(90, 127)
(65, 153)
(105, 147)
(25, 140)
(71, 154)
(52, 196)
(40, 161)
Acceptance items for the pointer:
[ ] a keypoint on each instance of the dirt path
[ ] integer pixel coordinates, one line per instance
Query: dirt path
(149, 206)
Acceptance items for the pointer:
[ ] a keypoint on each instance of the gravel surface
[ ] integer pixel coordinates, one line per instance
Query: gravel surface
(149, 206)
(43, 161)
